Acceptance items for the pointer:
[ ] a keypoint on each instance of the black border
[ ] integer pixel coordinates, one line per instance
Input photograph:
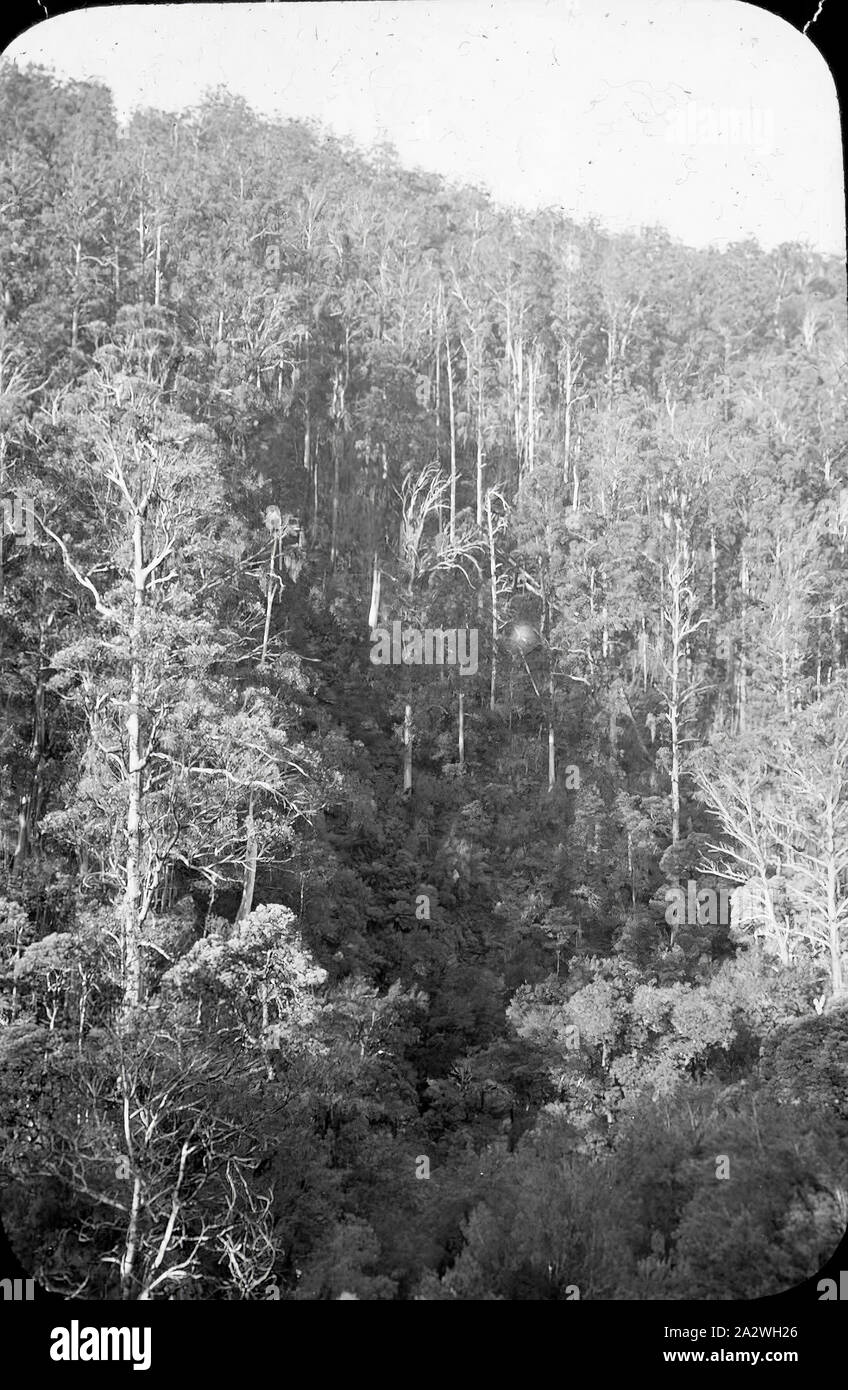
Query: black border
(218, 1341)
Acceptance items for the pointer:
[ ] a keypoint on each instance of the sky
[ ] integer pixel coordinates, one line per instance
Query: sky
(711, 117)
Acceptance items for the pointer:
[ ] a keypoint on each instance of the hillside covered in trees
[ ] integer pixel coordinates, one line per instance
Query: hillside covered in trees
(326, 976)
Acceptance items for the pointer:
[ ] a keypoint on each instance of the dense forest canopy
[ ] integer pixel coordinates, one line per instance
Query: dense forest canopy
(327, 976)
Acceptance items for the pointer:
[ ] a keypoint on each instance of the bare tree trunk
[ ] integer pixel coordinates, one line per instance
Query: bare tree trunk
(611, 346)
(546, 625)
(269, 602)
(376, 581)
(743, 659)
(566, 469)
(75, 313)
(407, 750)
(316, 493)
(836, 974)
(644, 655)
(493, 573)
(452, 519)
(250, 852)
(437, 385)
(157, 289)
(461, 732)
(679, 617)
(128, 1258)
(29, 808)
(531, 410)
(518, 390)
(551, 757)
(3, 448)
(339, 388)
(334, 509)
(310, 480)
(631, 869)
(674, 706)
(480, 442)
(675, 765)
(141, 257)
(131, 923)
(831, 851)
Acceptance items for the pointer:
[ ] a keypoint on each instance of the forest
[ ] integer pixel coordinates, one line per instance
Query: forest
(335, 964)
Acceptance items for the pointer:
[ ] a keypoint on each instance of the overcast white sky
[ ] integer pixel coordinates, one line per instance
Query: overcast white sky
(546, 102)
